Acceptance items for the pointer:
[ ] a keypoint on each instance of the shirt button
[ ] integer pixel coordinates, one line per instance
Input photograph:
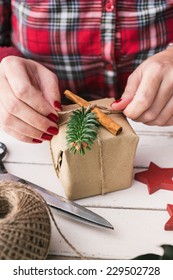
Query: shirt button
(109, 6)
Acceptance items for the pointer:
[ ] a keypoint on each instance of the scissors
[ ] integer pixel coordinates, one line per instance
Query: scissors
(52, 199)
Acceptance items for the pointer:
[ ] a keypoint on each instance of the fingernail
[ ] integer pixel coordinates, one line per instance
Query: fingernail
(36, 141)
(53, 130)
(46, 136)
(57, 105)
(53, 117)
(118, 100)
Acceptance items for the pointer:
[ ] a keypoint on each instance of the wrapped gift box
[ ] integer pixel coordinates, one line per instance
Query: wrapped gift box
(107, 167)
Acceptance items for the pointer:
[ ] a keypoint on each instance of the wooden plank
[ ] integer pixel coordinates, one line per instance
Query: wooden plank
(24, 152)
(135, 197)
(135, 233)
(156, 148)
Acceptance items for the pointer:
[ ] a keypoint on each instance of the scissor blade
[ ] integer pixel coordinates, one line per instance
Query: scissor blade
(61, 203)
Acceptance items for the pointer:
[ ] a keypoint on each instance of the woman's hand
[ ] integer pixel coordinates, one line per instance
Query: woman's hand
(148, 96)
(29, 100)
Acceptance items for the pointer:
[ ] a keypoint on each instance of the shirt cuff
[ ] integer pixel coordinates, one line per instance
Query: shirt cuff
(6, 51)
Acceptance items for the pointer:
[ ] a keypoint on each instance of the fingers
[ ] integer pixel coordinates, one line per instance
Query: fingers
(21, 137)
(128, 95)
(169, 122)
(161, 101)
(152, 102)
(144, 96)
(121, 103)
(165, 116)
(26, 85)
(22, 131)
(29, 101)
(148, 96)
(14, 127)
(48, 83)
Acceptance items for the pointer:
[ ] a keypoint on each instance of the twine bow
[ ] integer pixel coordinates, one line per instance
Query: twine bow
(67, 113)
(103, 119)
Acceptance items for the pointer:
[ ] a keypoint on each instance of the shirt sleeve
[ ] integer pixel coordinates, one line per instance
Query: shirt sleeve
(5, 31)
(6, 51)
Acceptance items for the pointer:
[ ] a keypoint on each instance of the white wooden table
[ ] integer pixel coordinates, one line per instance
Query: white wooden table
(138, 218)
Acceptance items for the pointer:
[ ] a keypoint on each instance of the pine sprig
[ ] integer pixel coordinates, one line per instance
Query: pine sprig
(81, 131)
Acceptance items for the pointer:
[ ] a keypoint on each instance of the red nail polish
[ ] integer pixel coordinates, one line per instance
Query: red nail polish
(118, 100)
(36, 141)
(57, 105)
(53, 130)
(53, 117)
(46, 136)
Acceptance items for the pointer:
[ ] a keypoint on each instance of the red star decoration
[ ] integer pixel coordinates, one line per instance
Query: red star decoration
(169, 224)
(156, 178)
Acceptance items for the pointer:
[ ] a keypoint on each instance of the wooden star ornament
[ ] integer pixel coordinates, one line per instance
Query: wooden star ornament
(156, 178)
(169, 224)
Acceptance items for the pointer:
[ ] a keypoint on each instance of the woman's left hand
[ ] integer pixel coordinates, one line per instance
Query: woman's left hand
(148, 96)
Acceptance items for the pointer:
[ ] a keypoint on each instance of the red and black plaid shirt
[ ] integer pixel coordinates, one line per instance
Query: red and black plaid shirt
(92, 46)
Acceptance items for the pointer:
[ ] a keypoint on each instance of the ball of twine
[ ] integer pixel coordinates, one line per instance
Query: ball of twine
(25, 227)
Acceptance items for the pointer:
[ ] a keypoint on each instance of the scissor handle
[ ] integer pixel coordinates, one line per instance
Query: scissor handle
(3, 150)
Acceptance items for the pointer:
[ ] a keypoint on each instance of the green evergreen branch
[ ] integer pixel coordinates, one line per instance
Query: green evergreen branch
(81, 131)
(167, 254)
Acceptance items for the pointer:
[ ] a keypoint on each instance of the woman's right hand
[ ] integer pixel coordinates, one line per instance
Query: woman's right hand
(29, 100)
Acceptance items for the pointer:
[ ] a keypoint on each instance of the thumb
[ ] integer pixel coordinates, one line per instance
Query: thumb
(121, 104)
(128, 95)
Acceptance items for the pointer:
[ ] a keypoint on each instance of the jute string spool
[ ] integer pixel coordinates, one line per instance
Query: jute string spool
(25, 227)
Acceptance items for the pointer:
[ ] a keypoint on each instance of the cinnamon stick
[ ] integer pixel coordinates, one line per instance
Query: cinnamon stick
(104, 120)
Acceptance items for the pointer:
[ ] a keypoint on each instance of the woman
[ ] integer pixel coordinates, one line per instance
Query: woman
(98, 49)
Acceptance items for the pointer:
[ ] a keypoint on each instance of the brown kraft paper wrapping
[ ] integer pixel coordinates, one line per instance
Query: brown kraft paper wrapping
(106, 168)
